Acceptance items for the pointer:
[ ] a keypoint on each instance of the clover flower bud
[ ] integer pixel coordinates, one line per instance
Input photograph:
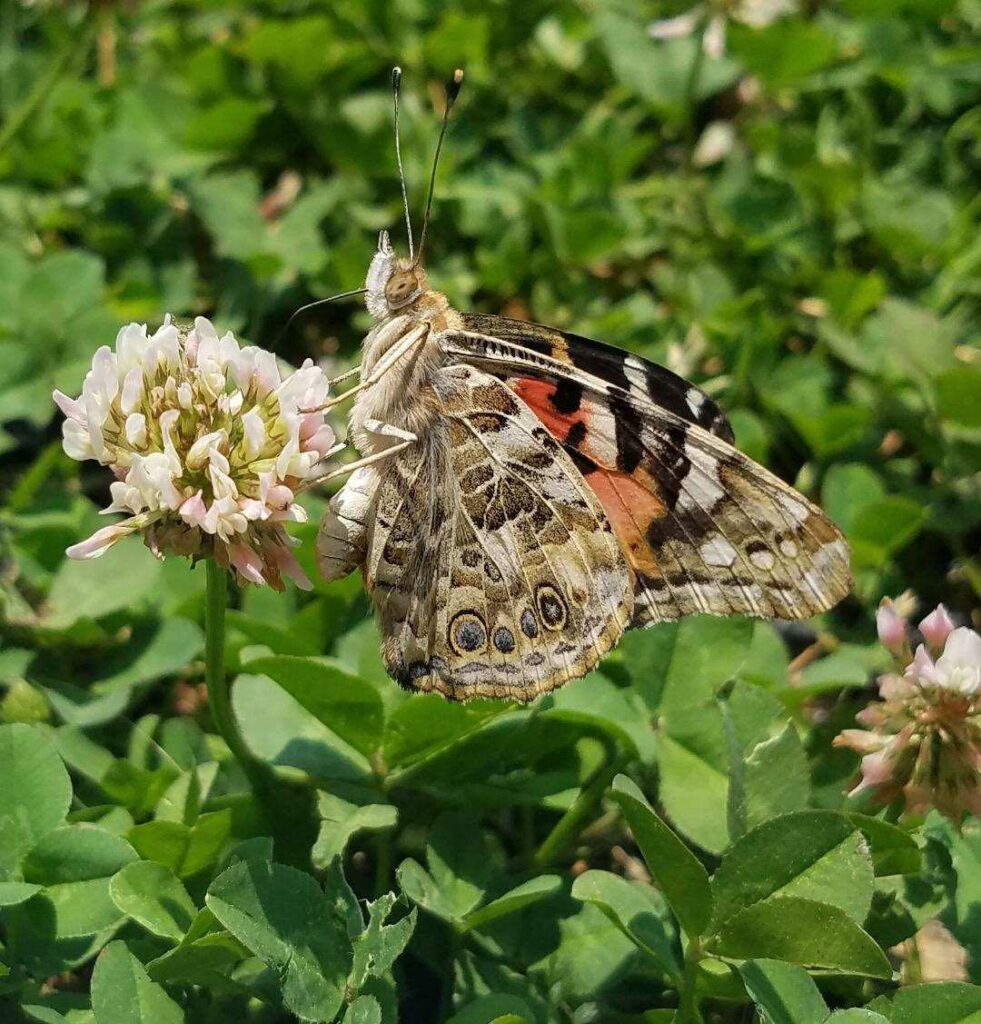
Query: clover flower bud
(209, 443)
(936, 627)
(890, 626)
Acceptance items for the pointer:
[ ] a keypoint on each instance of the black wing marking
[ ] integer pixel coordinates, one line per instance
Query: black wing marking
(537, 351)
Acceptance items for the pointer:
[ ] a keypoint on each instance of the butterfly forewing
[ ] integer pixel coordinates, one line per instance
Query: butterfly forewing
(525, 494)
(631, 381)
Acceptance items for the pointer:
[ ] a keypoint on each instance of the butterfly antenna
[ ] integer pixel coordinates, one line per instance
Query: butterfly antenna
(396, 90)
(312, 305)
(452, 91)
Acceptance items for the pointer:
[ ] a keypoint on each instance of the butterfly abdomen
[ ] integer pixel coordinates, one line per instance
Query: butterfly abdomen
(342, 537)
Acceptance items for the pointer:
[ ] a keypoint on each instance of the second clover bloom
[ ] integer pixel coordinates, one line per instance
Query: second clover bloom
(209, 443)
(922, 741)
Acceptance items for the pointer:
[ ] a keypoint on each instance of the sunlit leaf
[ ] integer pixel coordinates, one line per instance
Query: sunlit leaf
(122, 992)
(283, 916)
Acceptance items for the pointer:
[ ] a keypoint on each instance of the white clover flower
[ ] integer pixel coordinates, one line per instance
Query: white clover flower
(755, 13)
(208, 442)
(958, 669)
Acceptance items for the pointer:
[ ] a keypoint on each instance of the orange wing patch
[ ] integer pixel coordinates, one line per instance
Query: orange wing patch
(630, 500)
(631, 508)
(539, 396)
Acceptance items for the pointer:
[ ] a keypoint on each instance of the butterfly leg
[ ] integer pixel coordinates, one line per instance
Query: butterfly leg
(344, 376)
(387, 361)
(387, 430)
(368, 460)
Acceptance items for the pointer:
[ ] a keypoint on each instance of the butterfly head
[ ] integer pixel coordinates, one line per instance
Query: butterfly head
(393, 283)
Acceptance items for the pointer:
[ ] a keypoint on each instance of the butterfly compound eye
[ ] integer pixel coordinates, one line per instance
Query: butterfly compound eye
(401, 288)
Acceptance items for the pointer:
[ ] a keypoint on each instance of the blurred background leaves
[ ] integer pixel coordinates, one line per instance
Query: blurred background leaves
(792, 223)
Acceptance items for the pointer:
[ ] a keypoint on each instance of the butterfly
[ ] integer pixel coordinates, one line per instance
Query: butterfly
(525, 495)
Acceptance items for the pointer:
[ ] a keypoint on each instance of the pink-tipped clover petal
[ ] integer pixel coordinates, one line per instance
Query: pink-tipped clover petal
(922, 669)
(247, 563)
(288, 565)
(936, 627)
(321, 442)
(100, 541)
(890, 626)
(69, 406)
(193, 511)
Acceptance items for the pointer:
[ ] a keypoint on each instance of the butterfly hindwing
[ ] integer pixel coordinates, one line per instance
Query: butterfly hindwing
(492, 566)
(703, 528)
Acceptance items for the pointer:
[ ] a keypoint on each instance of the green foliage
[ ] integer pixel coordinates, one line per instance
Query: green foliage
(37, 793)
(784, 992)
(665, 840)
(679, 874)
(283, 916)
(122, 992)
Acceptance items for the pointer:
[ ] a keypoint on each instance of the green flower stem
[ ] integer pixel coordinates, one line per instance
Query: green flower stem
(583, 809)
(219, 694)
(691, 84)
(688, 1011)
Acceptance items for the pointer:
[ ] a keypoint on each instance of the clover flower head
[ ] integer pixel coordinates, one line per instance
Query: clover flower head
(209, 443)
(922, 740)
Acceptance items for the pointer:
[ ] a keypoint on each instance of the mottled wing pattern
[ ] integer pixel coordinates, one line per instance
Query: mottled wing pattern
(492, 566)
(630, 382)
(704, 528)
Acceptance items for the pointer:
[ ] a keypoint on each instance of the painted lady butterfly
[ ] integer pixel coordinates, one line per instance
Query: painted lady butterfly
(526, 495)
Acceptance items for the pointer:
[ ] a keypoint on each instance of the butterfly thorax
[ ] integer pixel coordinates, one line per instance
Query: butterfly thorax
(403, 396)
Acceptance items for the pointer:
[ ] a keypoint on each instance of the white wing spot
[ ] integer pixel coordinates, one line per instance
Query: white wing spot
(762, 559)
(718, 551)
(793, 504)
(789, 548)
(701, 487)
(695, 400)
